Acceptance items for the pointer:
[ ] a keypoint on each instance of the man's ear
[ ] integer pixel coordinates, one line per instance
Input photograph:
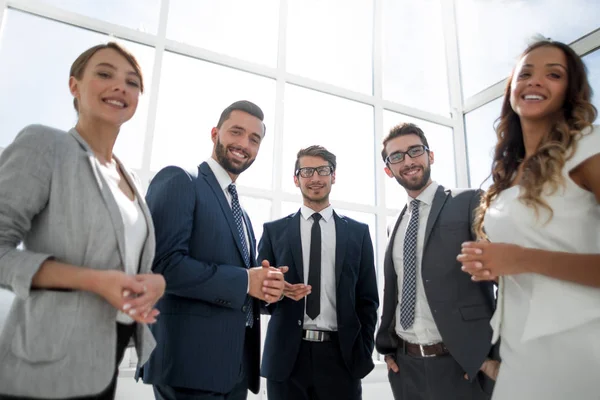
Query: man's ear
(388, 172)
(214, 133)
(431, 158)
(333, 177)
(296, 181)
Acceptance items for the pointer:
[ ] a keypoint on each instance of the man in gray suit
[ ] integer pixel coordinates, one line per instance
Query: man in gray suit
(434, 332)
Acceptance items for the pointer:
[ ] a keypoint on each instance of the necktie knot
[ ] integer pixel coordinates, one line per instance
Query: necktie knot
(232, 189)
(316, 217)
(414, 205)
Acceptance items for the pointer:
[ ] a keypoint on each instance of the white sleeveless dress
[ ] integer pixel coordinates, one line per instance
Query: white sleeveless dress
(549, 329)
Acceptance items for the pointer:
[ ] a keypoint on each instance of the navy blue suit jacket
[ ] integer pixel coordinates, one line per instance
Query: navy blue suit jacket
(356, 296)
(201, 327)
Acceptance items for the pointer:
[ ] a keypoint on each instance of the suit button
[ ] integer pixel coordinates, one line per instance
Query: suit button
(244, 308)
(299, 323)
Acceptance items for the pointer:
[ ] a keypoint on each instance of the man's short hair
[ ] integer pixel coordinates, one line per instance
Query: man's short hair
(245, 106)
(403, 129)
(315, 151)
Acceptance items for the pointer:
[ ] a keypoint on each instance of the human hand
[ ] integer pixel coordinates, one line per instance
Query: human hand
(296, 291)
(391, 363)
(490, 368)
(266, 282)
(118, 288)
(487, 261)
(143, 305)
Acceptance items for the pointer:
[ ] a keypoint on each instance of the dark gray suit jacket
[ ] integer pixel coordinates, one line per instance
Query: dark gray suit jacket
(460, 307)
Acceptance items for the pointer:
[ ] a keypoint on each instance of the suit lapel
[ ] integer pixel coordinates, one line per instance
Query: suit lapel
(341, 240)
(107, 196)
(295, 242)
(210, 178)
(438, 202)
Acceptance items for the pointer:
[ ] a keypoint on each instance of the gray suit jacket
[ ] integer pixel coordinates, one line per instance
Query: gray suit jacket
(460, 307)
(54, 200)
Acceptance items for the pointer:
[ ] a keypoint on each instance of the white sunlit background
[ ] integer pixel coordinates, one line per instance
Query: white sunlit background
(339, 73)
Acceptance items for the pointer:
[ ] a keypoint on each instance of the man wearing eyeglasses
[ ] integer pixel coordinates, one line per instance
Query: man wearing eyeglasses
(435, 331)
(320, 337)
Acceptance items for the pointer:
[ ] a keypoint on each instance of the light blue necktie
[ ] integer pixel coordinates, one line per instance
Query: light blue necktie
(237, 217)
(409, 281)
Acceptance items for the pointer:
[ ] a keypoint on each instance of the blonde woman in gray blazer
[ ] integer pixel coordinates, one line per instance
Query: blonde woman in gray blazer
(82, 280)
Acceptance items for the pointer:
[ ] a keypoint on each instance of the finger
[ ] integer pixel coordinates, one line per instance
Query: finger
(274, 274)
(395, 367)
(474, 245)
(466, 377)
(472, 250)
(133, 285)
(265, 264)
(472, 266)
(272, 292)
(284, 269)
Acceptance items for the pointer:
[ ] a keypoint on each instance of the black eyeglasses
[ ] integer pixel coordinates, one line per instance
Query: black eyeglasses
(398, 157)
(307, 172)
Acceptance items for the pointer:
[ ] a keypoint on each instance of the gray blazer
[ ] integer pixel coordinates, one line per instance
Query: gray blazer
(54, 199)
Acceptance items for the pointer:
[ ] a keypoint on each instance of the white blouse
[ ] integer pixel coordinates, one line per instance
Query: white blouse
(546, 305)
(134, 223)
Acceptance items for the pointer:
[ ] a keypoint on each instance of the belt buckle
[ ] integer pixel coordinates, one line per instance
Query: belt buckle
(422, 350)
(313, 336)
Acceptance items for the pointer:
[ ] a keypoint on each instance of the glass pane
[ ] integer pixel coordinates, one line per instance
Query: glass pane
(314, 118)
(414, 60)
(492, 34)
(592, 61)
(239, 28)
(441, 143)
(481, 139)
(141, 15)
(259, 211)
(193, 94)
(331, 41)
(34, 87)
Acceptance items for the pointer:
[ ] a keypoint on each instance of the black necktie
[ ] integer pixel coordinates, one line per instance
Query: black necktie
(313, 301)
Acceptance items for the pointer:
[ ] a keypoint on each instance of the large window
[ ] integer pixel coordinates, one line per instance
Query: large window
(34, 80)
(245, 29)
(481, 139)
(338, 73)
(414, 55)
(592, 61)
(331, 41)
(492, 34)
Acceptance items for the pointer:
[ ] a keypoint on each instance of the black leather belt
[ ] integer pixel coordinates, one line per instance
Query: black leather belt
(318, 336)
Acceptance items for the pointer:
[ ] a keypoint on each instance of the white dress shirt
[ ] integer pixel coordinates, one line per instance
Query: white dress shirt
(224, 181)
(423, 330)
(134, 225)
(327, 319)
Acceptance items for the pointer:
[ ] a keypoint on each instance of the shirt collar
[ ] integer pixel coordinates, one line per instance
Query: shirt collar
(426, 195)
(222, 176)
(326, 213)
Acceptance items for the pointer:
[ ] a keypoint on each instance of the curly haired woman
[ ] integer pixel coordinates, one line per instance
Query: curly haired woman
(541, 219)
